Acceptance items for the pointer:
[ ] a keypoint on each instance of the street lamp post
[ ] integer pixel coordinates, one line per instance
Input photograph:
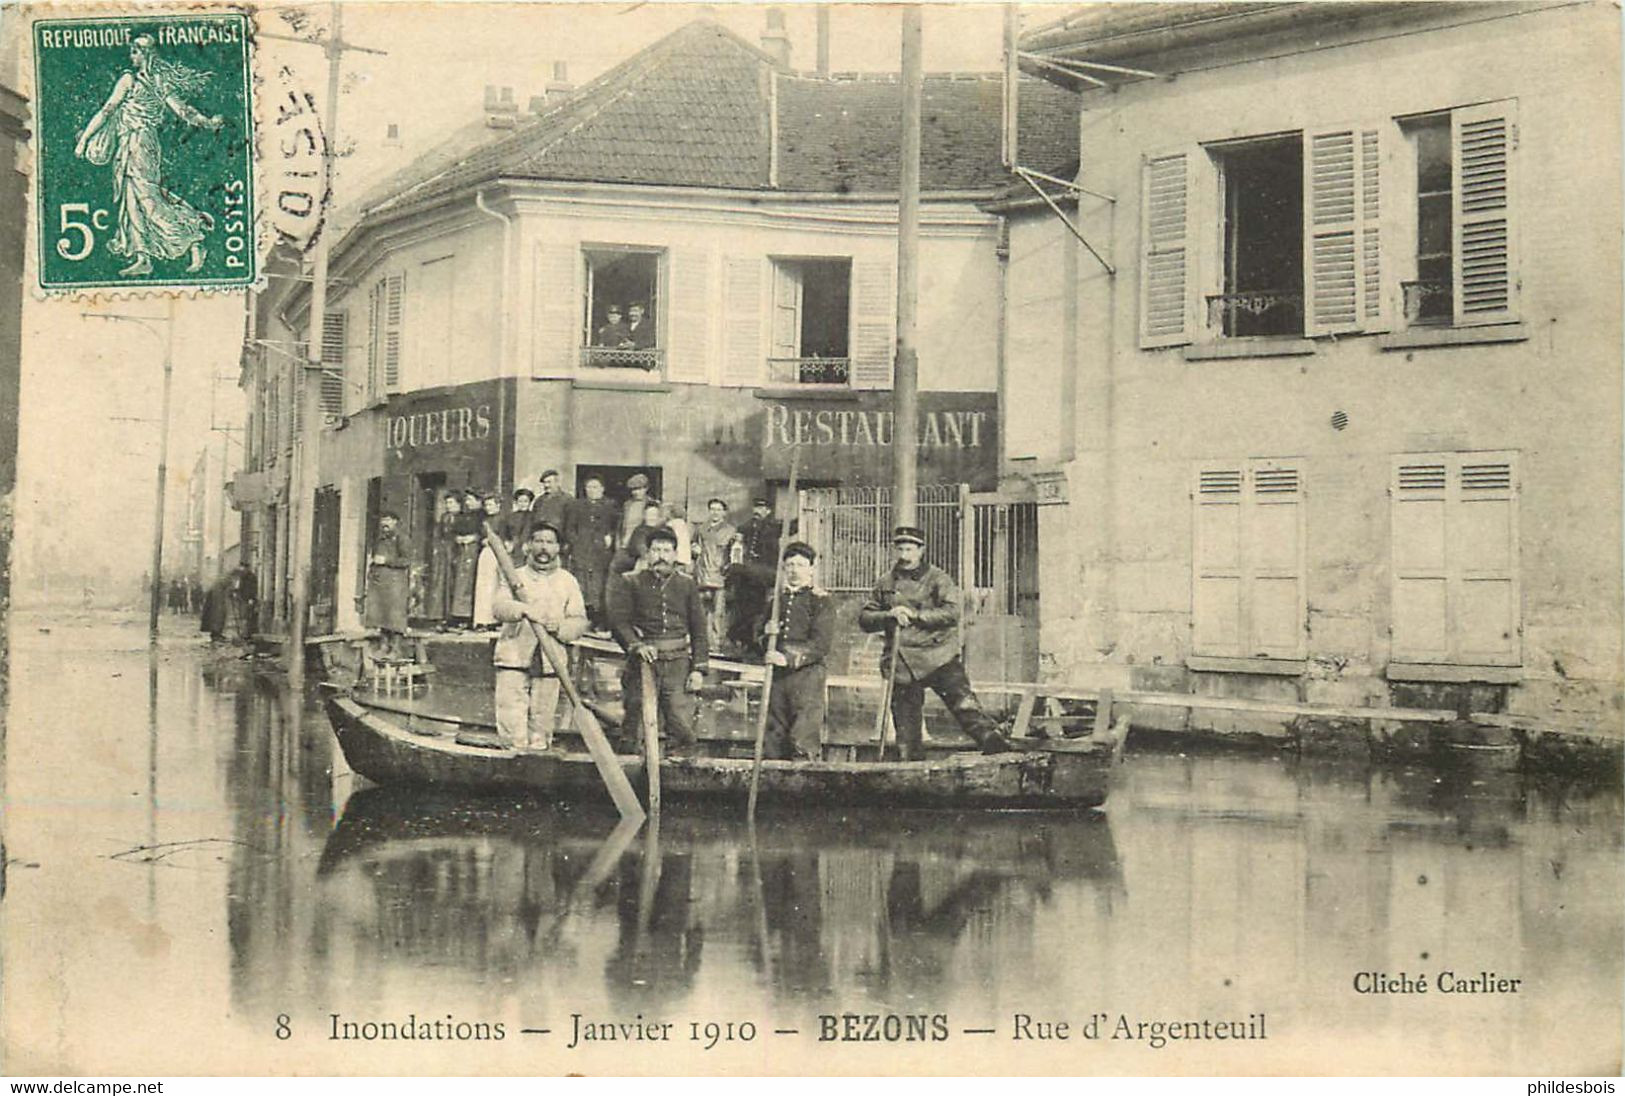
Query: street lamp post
(155, 604)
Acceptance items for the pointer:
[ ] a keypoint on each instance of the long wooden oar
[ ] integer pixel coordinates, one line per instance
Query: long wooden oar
(772, 646)
(651, 732)
(603, 756)
(886, 687)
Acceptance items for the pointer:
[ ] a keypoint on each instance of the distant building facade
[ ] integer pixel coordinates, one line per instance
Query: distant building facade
(1343, 423)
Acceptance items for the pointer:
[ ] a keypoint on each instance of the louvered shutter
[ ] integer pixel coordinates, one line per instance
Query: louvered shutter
(1483, 139)
(1486, 613)
(1272, 552)
(1374, 300)
(1166, 277)
(334, 327)
(1420, 625)
(1216, 579)
(375, 344)
(394, 306)
(742, 321)
(787, 295)
(557, 338)
(688, 327)
(1331, 246)
(296, 393)
(874, 335)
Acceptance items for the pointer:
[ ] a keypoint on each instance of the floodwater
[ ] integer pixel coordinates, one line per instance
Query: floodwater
(190, 888)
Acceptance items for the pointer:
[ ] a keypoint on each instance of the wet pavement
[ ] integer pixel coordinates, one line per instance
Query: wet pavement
(191, 888)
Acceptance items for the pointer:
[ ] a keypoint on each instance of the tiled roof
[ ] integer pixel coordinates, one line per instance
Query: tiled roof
(842, 134)
(695, 109)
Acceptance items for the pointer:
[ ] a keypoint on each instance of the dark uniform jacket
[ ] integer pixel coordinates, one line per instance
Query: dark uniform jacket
(644, 607)
(806, 626)
(932, 640)
(760, 543)
(552, 509)
(587, 522)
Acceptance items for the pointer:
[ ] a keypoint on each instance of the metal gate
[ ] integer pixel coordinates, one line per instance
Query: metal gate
(987, 543)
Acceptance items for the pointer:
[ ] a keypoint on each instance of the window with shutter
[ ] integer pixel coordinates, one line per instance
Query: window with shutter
(1455, 587)
(1164, 266)
(1247, 559)
(742, 321)
(621, 335)
(334, 326)
(812, 307)
(874, 335)
(374, 389)
(1342, 229)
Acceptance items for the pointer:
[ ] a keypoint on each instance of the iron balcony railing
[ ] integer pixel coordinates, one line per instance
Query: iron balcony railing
(1428, 301)
(1259, 312)
(825, 371)
(607, 357)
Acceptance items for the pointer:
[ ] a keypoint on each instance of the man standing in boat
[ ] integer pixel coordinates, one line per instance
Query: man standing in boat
(527, 690)
(806, 630)
(387, 571)
(658, 618)
(917, 605)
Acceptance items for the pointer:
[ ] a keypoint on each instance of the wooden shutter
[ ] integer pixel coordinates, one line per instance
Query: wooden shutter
(742, 323)
(1166, 276)
(375, 344)
(688, 324)
(1331, 230)
(1420, 627)
(1486, 614)
(874, 332)
(394, 291)
(334, 327)
(1483, 139)
(295, 374)
(787, 296)
(1375, 308)
(1216, 561)
(1272, 551)
(557, 337)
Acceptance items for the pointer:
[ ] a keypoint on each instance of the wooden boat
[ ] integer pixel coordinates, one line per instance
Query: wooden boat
(392, 745)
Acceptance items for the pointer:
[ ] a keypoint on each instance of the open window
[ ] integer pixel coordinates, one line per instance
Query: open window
(1261, 292)
(621, 328)
(811, 322)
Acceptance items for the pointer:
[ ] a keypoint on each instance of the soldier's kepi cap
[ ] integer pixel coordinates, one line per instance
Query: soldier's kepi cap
(908, 534)
(638, 480)
(801, 548)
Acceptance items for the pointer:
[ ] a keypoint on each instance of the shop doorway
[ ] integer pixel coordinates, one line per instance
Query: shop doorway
(427, 596)
(615, 477)
(324, 562)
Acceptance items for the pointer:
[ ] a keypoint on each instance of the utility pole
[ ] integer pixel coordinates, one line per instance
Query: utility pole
(906, 371)
(307, 465)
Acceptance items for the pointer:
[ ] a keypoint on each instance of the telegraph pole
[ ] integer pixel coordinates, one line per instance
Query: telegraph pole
(163, 480)
(906, 375)
(307, 465)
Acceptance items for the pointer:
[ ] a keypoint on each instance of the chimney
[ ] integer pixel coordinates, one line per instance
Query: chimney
(501, 112)
(775, 40)
(560, 84)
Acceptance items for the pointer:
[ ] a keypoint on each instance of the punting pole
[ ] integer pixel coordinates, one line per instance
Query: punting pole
(772, 645)
(906, 379)
(651, 732)
(620, 788)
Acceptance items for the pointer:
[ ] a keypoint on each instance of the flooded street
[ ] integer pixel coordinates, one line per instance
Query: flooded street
(191, 889)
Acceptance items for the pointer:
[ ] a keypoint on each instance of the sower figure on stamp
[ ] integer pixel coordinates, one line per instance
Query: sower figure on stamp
(657, 618)
(527, 690)
(388, 570)
(153, 223)
(917, 605)
(795, 712)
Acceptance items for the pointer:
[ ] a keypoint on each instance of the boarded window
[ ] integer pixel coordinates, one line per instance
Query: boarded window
(1247, 598)
(1455, 559)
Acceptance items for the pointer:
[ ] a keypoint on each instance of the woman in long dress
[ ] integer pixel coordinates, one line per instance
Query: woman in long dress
(153, 223)
(465, 550)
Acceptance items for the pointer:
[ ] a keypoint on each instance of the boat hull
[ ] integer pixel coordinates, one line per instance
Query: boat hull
(1065, 775)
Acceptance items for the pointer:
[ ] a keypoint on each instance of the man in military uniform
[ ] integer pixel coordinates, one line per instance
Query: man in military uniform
(657, 617)
(806, 631)
(917, 605)
(750, 579)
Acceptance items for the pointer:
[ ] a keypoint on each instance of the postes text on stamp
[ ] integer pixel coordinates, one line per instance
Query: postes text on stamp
(145, 151)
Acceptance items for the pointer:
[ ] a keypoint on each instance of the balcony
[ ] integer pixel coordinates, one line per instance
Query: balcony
(632, 362)
(1428, 302)
(809, 372)
(1260, 312)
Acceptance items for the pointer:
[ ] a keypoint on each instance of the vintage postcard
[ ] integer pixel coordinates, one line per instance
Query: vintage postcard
(816, 539)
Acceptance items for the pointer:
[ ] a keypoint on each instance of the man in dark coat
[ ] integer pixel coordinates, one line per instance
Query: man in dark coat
(552, 504)
(806, 631)
(658, 619)
(917, 605)
(387, 571)
(245, 600)
(640, 329)
(750, 578)
(591, 525)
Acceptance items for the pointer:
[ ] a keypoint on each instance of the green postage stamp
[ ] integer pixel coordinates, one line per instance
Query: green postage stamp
(145, 151)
